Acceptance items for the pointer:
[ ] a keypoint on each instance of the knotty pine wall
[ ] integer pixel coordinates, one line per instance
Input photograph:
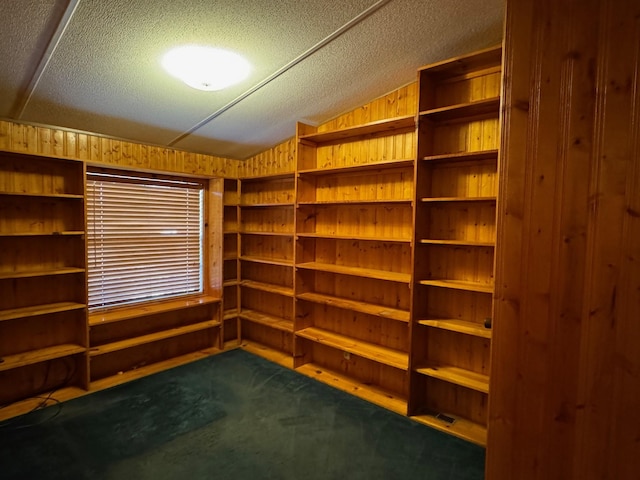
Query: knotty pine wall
(93, 148)
(565, 382)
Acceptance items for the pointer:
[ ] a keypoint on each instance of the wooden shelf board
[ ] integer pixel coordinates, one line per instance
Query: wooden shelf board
(41, 273)
(272, 234)
(16, 360)
(267, 320)
(362, 307)
(283, 359)
(272, 204)
(101, 318)
(268, 287)
(124, 377)
(69, 233)
(231, 232)
(368, 392)
(230, 257)
(267, 261)
(353, 237)
(462, 243)
(388, 126)
(460, 326)
(37, 310)
(370, 351)
(490, 56)
(461, 428)
(357, 271)
(464, 110)
(43, 195)
(457, 376)
(268, 176)
(462, 156)
(151, 337)
(229, 314)
(407, 201)
(41, 400)
(230, 283)
(459, 285)
(362, 167)
(457, 199)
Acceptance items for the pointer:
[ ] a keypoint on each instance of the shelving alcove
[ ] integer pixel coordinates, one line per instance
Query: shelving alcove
(354, 206)
(455, 194)
(43, 297)
(266, 233)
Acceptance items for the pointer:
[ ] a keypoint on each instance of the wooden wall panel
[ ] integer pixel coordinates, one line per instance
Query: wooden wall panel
(565, 385)
(74, 145)
(398, 103)
(279, 159)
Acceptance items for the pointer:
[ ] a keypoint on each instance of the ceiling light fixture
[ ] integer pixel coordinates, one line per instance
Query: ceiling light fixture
(206, 68)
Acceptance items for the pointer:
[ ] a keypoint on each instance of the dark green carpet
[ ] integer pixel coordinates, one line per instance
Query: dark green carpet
(231, 416)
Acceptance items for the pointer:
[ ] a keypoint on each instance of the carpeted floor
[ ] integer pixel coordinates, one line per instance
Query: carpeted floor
(232, 416)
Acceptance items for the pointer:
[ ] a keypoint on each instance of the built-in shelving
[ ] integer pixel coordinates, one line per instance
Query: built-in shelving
(354, 210)
(267, 231)
(454, 241)
(43, 312)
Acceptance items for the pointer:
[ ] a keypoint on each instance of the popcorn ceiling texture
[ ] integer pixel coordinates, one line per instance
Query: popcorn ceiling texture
(105, 74)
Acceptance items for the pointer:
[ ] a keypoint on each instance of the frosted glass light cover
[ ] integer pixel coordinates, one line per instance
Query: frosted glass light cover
(206, 68)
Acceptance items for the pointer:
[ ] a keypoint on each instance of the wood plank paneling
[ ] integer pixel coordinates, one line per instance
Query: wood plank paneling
(565, 364)
(74, 145)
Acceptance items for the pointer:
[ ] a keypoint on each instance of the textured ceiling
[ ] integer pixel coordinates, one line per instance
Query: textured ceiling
(94, 65)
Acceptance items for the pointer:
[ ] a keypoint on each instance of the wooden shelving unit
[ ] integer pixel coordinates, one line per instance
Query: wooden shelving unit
(231, 265)
(266, 260)
(129, 338)
(454, 238)
(43, 312)
(354, 209)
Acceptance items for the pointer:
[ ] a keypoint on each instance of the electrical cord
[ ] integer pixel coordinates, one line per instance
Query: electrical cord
(71, 369)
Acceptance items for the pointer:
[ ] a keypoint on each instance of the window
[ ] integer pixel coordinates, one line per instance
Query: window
(145, 237)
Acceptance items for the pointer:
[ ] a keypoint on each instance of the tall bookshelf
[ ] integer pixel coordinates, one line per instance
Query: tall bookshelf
(230, 269)
(43, 312)
(454, 237)
(353, 257)
(266, 262)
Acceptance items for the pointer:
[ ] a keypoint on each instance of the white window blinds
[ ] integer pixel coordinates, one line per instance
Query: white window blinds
(145, 238)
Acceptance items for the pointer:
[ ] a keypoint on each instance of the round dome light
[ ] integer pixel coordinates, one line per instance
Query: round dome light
(206, 68)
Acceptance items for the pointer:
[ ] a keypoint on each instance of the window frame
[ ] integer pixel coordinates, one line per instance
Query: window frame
(212, 237)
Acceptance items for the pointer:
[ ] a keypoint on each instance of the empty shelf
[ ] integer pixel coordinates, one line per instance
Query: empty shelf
(267, 320)
(357, 306)
(371, 351)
